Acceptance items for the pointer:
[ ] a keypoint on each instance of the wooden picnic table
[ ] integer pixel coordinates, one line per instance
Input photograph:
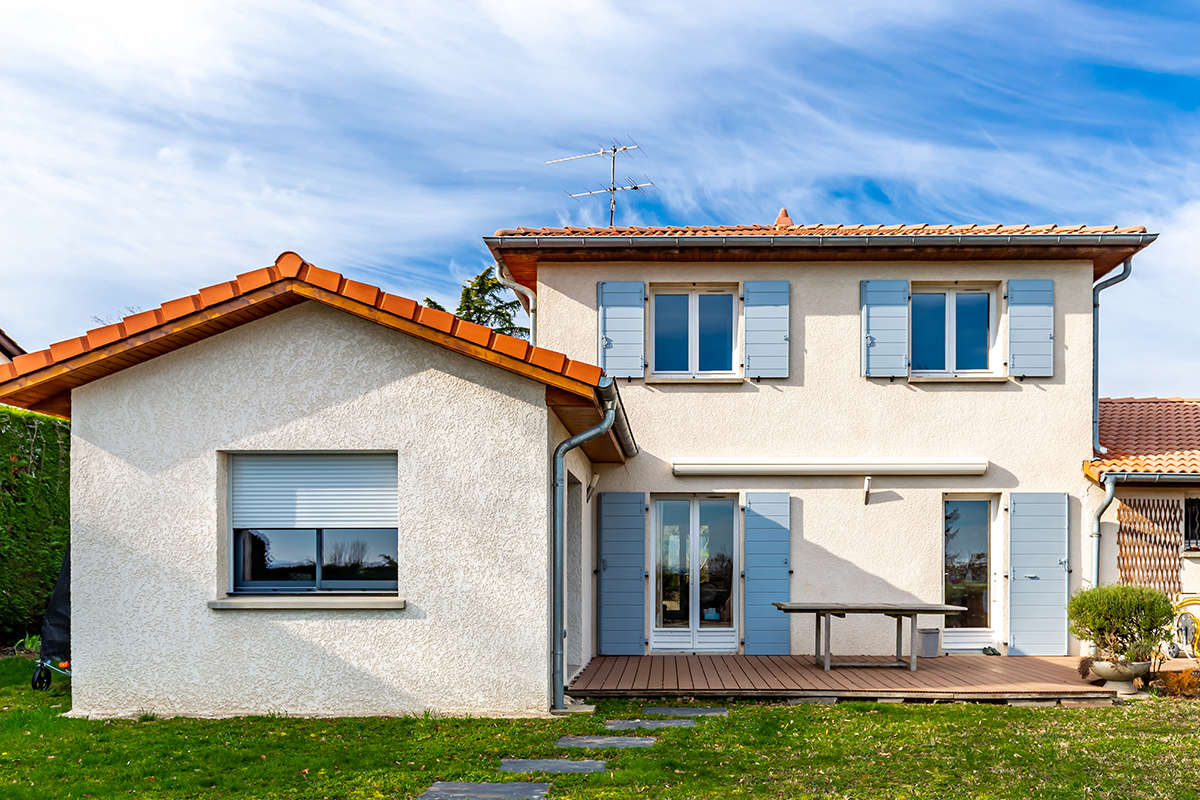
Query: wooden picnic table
(896, 610)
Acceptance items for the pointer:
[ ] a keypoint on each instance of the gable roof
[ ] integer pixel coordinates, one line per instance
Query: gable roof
(9, 348)
(520, 250)
(1148, 436)
(43, 380)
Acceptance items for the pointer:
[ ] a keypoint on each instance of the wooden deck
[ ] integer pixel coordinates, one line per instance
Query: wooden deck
(945, 678)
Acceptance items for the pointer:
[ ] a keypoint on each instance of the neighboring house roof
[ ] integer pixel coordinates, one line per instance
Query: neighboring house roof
(521, 249)
(9, 348)
(1148, 436)
(43, 380)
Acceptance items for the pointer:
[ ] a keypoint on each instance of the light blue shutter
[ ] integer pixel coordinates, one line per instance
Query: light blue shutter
(622, 323)
(768, 545)
(313, 490)
(884, 328)
(766, 329)
(1037, 569)
(622, 573)
(1031, 328)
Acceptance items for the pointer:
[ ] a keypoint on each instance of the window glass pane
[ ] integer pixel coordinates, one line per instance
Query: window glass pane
(966, 534)
(971, 331)
(716, 332)
(277, 556)
(359, 555)
(928, 331)
(673, 609)
(716, 564)
(671, 333)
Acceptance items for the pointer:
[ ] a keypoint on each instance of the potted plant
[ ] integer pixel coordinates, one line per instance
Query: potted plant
(1127, 625)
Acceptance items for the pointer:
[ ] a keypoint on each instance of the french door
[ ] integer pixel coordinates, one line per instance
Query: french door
(695, 564)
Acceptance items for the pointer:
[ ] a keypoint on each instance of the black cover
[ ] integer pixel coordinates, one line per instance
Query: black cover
(56, 625)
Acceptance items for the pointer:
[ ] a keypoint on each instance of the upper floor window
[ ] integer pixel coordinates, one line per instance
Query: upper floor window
(693, 330)
(953, 329)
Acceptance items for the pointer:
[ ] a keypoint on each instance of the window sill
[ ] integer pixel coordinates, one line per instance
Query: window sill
(696, 379)
(957, 378)
(296, 602)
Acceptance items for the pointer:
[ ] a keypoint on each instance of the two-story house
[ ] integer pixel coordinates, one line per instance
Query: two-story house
(833, 414)
(294, 492)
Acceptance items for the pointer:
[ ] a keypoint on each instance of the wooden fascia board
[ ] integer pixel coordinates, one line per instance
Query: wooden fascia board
(58, 373)
(450, 342)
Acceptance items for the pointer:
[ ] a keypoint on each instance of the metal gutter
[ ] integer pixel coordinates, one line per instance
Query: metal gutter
(1152, 477)
(614, 414)
(1126, 270)
(868, 240)
(521, 291)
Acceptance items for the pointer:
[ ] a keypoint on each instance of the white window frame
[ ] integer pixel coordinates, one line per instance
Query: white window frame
(995, 358)
(976, 638)
(694, 291)
(700, 640)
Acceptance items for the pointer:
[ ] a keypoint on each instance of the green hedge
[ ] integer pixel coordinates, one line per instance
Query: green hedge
(35, 517)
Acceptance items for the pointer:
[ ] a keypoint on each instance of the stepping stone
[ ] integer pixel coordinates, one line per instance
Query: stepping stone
(631, 724)
(813, 701)
(605, 741)
(687, 712)
(456, 790)
(550, 765)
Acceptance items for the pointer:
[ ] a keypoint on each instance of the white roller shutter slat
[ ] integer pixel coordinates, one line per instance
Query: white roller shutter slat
(314, 490)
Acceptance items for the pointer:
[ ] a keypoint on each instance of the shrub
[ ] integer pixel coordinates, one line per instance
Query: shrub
(34, 515)
(1181, 684)
(1122, 621)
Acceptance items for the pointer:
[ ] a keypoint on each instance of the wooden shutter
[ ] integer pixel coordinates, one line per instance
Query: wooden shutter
(1031, 328)
(768, 548)
(314, 490)
(622, 573)
(1037, 569)
(622, 328)
(884, 328)
(766, 305)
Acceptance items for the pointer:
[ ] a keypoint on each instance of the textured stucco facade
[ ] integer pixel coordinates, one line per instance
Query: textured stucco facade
(150, 528)
(1035, 433)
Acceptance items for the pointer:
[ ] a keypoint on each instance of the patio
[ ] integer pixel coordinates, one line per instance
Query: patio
(957, 677)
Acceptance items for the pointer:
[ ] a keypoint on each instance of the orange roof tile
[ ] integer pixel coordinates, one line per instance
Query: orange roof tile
(784, 227)
(1148, 435)
(43, 379)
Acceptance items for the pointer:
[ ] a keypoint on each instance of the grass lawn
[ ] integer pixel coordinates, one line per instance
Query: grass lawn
(856, 750)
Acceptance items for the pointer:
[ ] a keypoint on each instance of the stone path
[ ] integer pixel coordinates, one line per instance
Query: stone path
(457, 790)
(550, 765)
(596, 742)
(631, 724)
(667, 711)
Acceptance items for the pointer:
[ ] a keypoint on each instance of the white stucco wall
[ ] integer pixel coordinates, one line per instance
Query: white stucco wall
(1035, 434)
(150, 534)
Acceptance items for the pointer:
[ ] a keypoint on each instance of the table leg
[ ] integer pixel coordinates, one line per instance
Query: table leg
(899, 638)
(817, 644)
(828, 625)
(912, 653)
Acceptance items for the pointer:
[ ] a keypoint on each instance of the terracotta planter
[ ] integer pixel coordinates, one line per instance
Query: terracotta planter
(1119, 675)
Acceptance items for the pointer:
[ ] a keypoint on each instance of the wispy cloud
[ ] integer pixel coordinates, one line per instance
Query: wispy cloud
(149, 149)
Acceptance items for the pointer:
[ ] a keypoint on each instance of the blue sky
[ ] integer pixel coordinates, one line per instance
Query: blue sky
(149, 149)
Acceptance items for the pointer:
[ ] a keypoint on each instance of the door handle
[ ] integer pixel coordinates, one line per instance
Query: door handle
(1034, 577)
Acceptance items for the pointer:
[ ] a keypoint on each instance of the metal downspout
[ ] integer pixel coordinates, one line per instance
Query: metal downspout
(1097, 448)
(522, 291)
(607, 393)
(1110, 491)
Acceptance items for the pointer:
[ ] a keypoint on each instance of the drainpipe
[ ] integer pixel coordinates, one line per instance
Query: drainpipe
(1110, 491)
(1098, 448)
(606, 392)
(525, 292)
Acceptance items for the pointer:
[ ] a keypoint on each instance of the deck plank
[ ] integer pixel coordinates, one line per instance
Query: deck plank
(793, 675)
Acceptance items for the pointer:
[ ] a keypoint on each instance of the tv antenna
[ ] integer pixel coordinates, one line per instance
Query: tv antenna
(611, 152)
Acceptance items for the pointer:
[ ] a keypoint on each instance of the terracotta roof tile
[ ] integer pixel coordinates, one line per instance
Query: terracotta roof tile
(360, 298)
(1148, 435)
(785, 227)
